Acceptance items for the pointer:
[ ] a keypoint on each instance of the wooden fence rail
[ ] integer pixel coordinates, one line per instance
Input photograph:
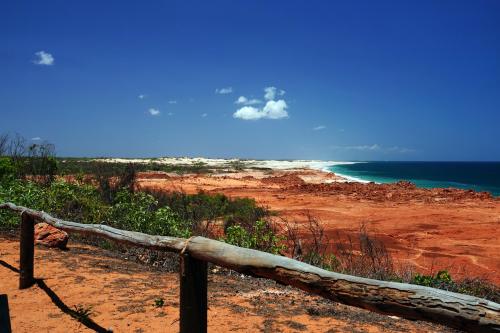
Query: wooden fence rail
(468, 313)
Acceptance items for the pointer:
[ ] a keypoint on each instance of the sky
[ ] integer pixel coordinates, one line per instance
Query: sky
(331, 80)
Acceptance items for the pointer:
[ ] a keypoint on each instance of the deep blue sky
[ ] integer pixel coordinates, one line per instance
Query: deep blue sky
(378, 80)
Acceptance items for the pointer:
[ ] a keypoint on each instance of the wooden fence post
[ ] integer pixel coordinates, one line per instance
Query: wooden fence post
(27, 255)
(4, 315)
(193, 303)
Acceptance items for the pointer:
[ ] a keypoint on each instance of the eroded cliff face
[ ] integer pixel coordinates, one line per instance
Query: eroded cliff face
(399, 191)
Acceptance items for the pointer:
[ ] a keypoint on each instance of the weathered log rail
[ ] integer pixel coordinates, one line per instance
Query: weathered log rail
(468, 313)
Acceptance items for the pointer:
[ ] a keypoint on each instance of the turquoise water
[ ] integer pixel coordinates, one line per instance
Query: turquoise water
(478, 176)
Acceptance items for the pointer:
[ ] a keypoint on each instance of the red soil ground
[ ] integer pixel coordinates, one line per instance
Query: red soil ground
(121, 294)
(432, 229)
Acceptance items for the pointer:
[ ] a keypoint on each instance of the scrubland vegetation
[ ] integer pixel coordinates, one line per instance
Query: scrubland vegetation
(101, 192)
(84, 166)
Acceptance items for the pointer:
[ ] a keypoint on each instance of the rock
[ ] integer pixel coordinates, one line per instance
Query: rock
(47, 235)
(406, 184)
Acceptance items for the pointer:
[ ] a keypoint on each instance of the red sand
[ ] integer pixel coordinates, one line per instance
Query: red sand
(432, 229)
(121, 295)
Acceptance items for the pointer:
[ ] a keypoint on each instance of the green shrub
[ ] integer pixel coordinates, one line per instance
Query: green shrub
(236, 165)
(43, 166)
(159, 302)
(7, 168)
(260, 237)
(132, 211)
(75, 202)
(70, 166)
(139, 212)
(195, 207)
(168, 223)
(471, 286)
(442, 280)
(478, 287)
(238, 236)
(244, 211)
(22, 193)
(200, 209)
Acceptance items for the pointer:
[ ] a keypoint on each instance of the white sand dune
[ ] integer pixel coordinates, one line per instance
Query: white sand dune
(217, 162)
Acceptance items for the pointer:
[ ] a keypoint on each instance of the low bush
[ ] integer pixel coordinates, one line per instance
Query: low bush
(139, 211)
(174, 214)
(202, 210)
(471, 286)
(36, 159)
(73, 166)
(478, 287)
(237, 165)
(261, 237)
(27, 194)
(244, 212)
(441, 280)
(7, 169)
(75, 202)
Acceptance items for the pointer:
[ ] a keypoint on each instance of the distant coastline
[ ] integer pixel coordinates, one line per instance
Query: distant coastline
(477, 176)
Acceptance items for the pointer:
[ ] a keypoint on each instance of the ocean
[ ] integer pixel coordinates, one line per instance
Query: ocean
(478, 176)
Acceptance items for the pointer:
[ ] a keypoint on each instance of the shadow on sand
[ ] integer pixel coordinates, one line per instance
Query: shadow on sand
(84, 319)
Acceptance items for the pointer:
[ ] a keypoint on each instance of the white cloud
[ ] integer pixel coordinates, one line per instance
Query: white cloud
(249, 113)
(276, 109)
(141, 96)
(376, 147)
(36, 138)
(360, 147)
(272, 110)
(170, 114)
(372, 147)
(203, 115)
(245, 101)
(365, 147)
(154, 112)
(43, 58)
(172, 102)
(241, 100)
(401, 150)
(270, 93)
(224, 91)
(319, 128)
(253, 101)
